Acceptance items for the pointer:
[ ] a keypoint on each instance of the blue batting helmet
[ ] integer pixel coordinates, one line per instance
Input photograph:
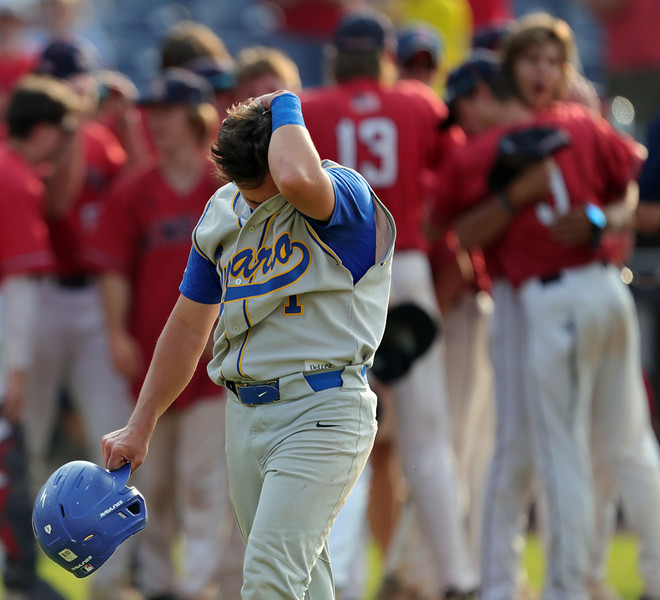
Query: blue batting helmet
(83, 512)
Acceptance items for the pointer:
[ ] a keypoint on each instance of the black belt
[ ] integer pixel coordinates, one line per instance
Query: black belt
(547, 279)
(73, 282)
(254, 394)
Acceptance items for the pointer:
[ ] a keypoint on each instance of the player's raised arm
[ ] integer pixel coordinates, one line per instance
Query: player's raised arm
(293, 160)
(264, 148)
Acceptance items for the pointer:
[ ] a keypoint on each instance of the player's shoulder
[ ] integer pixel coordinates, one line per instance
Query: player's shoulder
(134, 182)
(417, 91)
(349, 177)
(16, 175)
(318, 97)
(572, 113)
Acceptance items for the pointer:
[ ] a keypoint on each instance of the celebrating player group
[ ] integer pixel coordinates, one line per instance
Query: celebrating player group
(386, 310)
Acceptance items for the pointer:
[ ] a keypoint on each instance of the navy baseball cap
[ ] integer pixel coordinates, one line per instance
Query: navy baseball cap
(365, 31)
(419, 38)
(492, 36)
(219, 73)
(481, 66)
(178, 86)
(65, 58)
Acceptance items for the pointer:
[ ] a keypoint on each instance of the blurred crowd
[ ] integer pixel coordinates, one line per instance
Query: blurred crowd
(108, 110)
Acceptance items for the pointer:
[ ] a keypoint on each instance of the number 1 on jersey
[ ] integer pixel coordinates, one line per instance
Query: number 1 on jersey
(292, 306)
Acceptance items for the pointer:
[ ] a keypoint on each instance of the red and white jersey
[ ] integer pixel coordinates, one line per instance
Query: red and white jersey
(24, 241)
(388, 134)
(104, 158)
(145, 234)
(595, 168)
(464, 185)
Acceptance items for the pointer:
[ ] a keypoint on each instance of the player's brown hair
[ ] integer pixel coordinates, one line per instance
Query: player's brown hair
(190, 40)
(204, 121)
(258, 61)
(39, 99)
(539, 29)
(241, 149)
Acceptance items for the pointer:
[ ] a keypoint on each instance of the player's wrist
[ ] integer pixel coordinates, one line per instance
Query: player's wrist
(505, 202)
(286, 109)
(597, 220)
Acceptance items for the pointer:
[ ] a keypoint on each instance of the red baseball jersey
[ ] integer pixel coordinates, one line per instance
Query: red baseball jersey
(464, 184)
(145, 234)
(104, 158)
(389, 135)
(595, 168)
(24, 242)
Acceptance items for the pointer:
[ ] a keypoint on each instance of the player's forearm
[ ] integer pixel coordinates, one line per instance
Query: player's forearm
(483, 225)
(621, 215)
(21, 300)
(116, 294)
(295, 164)
(647, 218)
(174, 361)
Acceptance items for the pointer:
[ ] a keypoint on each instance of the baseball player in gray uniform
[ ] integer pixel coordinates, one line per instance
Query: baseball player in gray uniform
(295, 256)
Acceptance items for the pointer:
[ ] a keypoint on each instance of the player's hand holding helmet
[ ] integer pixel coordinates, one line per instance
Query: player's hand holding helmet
(83, 512)
(522, 148)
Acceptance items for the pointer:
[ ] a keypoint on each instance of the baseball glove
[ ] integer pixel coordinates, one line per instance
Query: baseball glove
(409, 331)
(519, 149)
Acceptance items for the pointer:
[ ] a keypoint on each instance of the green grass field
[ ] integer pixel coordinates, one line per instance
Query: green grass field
(622, 571)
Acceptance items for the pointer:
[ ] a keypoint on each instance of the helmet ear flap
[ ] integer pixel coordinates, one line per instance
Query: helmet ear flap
(83, 512)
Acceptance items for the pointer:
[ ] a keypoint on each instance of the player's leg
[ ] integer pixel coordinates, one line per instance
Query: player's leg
(470, 378)
(558, 393)
(510, 479)
(202, 475)
(289, 479)
(156, 574)
(52, 354)
(627, 448)
(347, 542)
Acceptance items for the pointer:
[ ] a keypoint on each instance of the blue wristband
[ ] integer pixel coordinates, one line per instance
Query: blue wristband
(285, 110)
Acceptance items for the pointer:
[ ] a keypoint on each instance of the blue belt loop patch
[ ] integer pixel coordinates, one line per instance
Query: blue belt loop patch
(265, 393)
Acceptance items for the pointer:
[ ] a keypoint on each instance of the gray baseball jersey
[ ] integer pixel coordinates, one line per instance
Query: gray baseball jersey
(264, 258)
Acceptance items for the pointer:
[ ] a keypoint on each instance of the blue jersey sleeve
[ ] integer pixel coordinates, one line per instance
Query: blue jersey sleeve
(201, 282)
(351, 231)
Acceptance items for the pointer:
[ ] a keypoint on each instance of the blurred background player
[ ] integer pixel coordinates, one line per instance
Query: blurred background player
(196, 47)
(40, 116)
(261, 70)
(419, 55)
(143, 245)
(536, 36)
(16, 58)
(117, 110)
(73, 356)
(391, 136)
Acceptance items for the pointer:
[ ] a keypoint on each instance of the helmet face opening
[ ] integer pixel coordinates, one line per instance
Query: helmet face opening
(83, 512)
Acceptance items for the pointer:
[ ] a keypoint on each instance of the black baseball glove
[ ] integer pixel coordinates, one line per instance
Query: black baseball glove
(409, 331)
(519, 149)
